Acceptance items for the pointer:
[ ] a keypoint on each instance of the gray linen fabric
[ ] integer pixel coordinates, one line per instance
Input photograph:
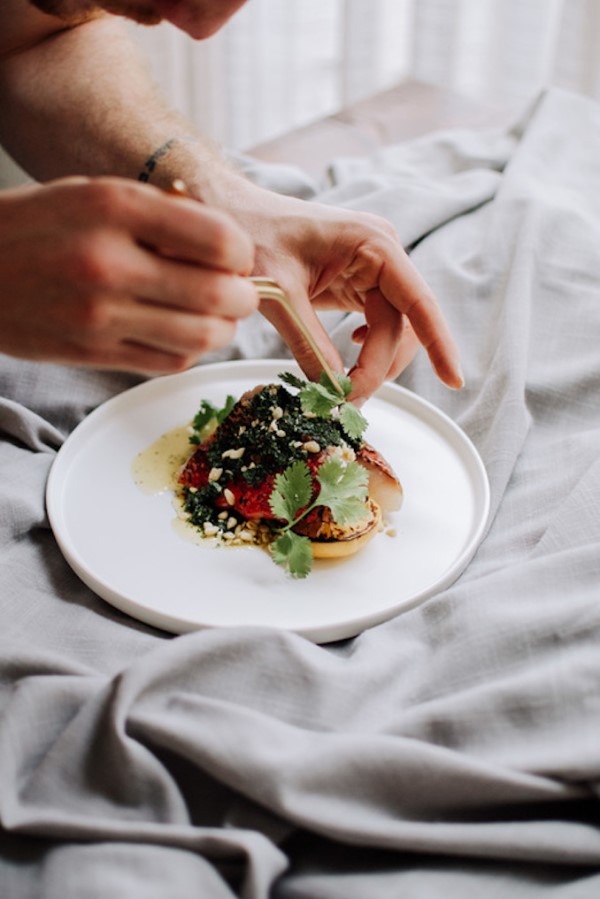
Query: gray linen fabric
(453, 751)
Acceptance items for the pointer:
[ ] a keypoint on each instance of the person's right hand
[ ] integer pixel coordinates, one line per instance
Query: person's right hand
(112, 273)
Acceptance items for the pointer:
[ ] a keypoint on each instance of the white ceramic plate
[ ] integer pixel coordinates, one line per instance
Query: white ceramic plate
(122, 543)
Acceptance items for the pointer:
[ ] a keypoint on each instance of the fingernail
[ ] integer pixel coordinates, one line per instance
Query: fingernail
(459, 381)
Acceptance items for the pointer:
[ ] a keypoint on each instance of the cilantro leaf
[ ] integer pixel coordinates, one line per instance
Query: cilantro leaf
(204, 414)
(208, 417)
(343, 489)
(322, 398)
(352, 421)
(293, 552)
(224, 412)
(318, 400)
(343, 380)
(288, 378)
(291, 492)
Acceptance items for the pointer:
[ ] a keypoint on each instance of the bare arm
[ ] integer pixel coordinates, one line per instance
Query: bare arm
(80, 101)
(104, 271)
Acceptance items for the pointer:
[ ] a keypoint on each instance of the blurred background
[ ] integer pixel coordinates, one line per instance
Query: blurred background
(279, 64)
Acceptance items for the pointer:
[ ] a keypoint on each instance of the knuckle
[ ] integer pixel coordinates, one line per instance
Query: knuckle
(381, 224)
(221, 240)
(108, 199)
(227, 295)
(90, 261)
(93, 316)
(179, 362)
(214, 334)
(241, 297)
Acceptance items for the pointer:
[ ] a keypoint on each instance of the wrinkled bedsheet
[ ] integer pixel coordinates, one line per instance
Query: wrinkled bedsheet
(453, 751)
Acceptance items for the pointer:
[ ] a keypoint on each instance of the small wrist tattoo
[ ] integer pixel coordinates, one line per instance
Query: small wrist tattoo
(150, 163)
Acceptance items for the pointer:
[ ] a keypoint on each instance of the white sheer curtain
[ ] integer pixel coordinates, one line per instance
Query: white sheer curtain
(282, 63)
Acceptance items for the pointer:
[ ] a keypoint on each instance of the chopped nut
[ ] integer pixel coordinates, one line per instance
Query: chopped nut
(234, 453)
(280, 433)
(311, 446)
(223, 515)
(214, 474)
(210, 529)
(276, 412)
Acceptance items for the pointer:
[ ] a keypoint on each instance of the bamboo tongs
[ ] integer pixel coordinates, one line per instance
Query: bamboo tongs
(270, 290)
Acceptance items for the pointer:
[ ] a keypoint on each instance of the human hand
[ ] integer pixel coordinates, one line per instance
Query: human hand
(111, 273)
(328, 258)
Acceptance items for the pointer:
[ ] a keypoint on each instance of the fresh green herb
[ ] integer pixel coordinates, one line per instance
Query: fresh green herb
(288, 378)
(352, 421)
(209, 417)
(200, 504)
(322, 399)
(292, 491)
(271, 446)
(343, 489)
(293, 552)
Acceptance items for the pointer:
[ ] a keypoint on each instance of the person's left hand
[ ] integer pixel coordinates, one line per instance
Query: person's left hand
(329, 258)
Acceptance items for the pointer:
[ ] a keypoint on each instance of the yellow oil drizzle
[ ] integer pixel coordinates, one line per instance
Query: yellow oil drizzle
(155, 469)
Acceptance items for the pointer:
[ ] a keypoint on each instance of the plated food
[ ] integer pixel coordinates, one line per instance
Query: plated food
(286, 467)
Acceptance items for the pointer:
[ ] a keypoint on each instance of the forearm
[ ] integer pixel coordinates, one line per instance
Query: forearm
(82, 101)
